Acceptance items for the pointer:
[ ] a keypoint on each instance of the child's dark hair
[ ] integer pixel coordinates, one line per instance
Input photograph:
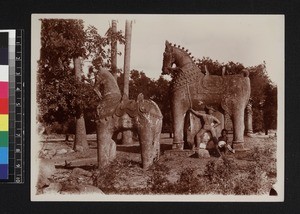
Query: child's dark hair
(224, 130)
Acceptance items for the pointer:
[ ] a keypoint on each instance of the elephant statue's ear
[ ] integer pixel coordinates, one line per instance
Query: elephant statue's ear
(140, 97)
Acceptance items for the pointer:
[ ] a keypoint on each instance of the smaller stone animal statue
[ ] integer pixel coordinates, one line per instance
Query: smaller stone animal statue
(117, 113)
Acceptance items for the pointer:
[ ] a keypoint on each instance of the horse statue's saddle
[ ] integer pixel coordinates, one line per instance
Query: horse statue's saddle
(213, 83)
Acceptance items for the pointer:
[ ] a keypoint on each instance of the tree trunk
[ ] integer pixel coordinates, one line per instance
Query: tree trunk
(127, 135)
(266, 131)
(80, 142)
(114, 50)
(67, 138)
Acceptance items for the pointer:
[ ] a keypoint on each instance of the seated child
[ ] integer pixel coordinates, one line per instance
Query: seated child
(223, 142)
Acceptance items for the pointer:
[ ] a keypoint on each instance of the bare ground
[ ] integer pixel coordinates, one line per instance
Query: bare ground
(250, 173)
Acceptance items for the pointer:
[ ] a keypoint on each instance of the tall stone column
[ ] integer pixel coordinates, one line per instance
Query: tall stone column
(127, 135)
(114, 50)
(248, 122)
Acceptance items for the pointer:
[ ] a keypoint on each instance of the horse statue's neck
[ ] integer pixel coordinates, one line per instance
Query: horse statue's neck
(182, 59)
(186, 70)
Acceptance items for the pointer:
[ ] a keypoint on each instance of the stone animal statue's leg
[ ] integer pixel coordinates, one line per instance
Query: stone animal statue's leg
(178, 126)
(156, 131)
(146, 137)
(106, 146)
(238, 127)
(192, 127)
(149, 134)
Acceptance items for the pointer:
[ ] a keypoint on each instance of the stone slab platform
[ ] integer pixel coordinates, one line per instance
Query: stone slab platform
(179, 153)
(86, 163)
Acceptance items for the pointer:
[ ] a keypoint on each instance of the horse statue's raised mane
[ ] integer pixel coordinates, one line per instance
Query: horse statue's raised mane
(186, 70)
(193, 89)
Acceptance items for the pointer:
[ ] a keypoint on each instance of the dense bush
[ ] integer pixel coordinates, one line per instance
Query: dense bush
(250, 175)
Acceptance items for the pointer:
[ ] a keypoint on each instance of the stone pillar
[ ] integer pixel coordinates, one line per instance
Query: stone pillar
(114, 50)
(127, 135)
(248, 121)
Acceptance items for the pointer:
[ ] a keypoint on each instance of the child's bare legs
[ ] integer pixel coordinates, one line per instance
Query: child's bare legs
(200, 133)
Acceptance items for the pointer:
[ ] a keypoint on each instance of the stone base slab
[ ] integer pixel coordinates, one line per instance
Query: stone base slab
(179, 153)
(239, 147)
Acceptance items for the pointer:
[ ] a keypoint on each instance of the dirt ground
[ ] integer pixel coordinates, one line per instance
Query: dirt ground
(64, 171)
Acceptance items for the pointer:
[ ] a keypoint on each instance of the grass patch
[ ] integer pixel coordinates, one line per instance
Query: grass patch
(252, 175)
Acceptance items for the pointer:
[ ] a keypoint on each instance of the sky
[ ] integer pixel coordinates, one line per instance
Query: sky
(247, 39)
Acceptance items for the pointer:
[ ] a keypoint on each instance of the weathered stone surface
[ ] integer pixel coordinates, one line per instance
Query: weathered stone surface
(115, 114)
(193, 89)
(239, 147)
(61, 151)
(203, 153)
(179, 153)
(79, 149)
(79, 171)
(249, 113)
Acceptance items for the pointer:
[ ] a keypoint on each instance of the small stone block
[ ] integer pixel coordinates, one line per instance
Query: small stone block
(203, 153)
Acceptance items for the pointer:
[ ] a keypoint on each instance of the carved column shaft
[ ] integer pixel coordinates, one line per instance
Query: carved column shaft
(114, 50)
(248, 122)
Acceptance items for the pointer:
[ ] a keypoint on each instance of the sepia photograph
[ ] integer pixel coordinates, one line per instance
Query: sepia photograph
(136, 107)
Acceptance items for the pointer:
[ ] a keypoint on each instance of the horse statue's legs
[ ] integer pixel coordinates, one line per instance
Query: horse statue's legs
(238, 127)
(178, 126)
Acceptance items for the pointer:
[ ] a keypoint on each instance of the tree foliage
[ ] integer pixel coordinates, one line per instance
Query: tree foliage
(59, 94)
(216, 68)
(270, 108)
(98, 49)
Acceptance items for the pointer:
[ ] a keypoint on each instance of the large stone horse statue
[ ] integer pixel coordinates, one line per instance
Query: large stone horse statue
(116, 113)
(193, 89)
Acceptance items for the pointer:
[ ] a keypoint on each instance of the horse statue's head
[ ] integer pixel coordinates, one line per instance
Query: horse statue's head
(168, 59)
(174, 55)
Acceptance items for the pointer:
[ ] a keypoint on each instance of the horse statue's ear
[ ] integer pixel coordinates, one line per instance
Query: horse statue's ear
(140, 97)
(168, 46)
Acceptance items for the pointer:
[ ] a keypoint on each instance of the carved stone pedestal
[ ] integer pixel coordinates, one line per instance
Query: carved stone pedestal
(239, 147)
(178, 146)
(250, 134)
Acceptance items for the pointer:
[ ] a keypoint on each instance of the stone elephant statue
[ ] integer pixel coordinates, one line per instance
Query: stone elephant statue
(116, 114)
